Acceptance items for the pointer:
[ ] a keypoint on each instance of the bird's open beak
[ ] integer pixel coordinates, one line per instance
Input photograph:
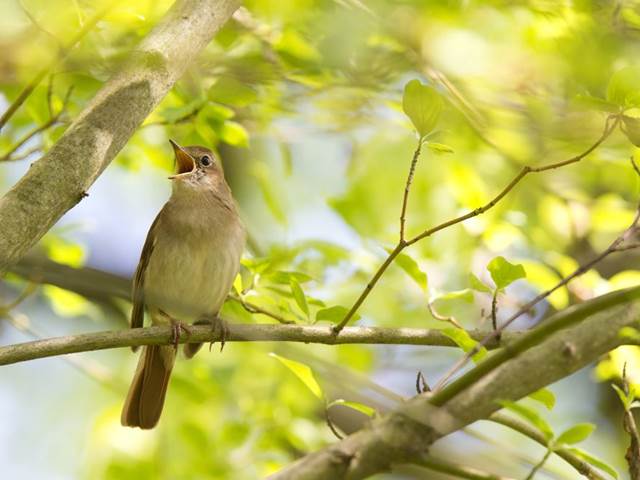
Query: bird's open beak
(184, 163)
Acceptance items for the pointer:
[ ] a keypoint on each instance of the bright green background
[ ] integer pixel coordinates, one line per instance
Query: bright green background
(303, 100)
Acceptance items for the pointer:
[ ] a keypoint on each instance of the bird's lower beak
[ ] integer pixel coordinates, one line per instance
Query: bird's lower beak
(184, 163)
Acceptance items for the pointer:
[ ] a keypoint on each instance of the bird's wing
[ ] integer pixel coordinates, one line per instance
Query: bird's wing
(137, 314)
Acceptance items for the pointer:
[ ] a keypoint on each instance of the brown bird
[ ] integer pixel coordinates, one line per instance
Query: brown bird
(188, 264)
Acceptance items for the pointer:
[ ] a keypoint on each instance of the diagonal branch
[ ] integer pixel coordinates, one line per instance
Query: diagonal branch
(60, 179)
(610, 125)
(564, 344)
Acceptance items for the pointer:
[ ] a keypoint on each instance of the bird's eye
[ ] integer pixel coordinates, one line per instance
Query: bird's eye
(205, 160)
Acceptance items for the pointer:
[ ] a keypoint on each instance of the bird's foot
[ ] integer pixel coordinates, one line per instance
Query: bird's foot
(177, 327)
(220, 329)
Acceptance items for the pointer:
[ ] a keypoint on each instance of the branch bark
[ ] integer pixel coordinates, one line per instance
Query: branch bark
(162, 335)
(562, 345)
(59, 180)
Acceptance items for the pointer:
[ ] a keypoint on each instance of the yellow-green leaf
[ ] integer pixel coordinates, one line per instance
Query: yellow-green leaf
(465, 342)
(360, 407)
(504, 273)
(422, 104)
(303, 372)
(576, 434)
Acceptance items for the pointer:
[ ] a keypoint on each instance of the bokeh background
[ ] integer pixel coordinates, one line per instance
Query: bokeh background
(302, 100)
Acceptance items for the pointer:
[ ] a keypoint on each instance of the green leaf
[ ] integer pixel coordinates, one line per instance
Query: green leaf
(360, 407)
(545, 397)
(478, 285)
(422, 104)
(465, 342)
(624, 398)
(410, 266)
(230, 91)
(303, 372)
(576, 434)
(631, 128)
(439, 147)
(466, 295)
(234, 134)
(333, 314)
(298, 295)
(504, 273)
(596, 462)
(624, 87)
(530, 415)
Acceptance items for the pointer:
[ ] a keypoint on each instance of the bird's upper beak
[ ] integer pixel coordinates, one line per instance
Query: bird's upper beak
(184, 162)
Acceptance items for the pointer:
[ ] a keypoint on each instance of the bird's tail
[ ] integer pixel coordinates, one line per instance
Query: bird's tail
(145, 399)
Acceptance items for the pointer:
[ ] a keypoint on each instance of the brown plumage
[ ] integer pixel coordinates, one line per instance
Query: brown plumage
(187, 266)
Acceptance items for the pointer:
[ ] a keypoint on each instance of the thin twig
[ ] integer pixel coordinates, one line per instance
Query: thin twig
(162, 335)
(443, 318)
(539, 465)
(494, 309)
(610, 125)
(64, 51)
(407, 188)
(614, 247)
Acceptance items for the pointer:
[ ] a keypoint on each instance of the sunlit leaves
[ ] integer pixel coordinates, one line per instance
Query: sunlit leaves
(303, 372)
(423, 105)
(504, 273)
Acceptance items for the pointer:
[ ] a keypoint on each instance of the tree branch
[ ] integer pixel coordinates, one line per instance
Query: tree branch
(162, 335)
(564, 344)
(59, 180)
(610, 125)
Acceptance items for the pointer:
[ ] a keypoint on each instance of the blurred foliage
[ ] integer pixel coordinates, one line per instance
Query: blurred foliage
(304, 102)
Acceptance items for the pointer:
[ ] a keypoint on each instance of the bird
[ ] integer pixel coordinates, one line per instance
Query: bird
(188, 263)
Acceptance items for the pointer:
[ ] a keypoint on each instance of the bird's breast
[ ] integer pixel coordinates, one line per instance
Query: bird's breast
(194, 262)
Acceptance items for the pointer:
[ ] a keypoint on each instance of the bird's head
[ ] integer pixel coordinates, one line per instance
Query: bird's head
(196, 167)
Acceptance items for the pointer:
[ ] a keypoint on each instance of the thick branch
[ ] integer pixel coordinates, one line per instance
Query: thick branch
(237, 333)
(58, 181)
(562, 345)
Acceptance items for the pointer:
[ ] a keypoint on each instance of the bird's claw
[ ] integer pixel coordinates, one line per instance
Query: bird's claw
(221, 330)
(177, 328)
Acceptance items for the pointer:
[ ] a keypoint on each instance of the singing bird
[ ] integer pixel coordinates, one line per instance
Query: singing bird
(189, 261)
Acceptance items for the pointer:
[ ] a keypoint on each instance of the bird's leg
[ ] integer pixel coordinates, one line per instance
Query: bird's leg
(220, 329)
(177, 327)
